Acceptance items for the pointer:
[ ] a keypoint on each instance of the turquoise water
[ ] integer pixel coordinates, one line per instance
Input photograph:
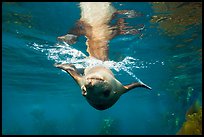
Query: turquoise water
(38, 98)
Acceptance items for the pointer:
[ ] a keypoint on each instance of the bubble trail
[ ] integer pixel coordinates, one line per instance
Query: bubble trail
(65, 54)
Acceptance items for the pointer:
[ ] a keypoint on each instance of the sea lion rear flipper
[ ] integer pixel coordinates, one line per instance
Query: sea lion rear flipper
(73, 34)
(72, 70)
(68, 38)
(136, 84)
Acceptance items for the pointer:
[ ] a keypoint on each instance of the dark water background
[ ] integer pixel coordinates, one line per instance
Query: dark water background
(38, 98)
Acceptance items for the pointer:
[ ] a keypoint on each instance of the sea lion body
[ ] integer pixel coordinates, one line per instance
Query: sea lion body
(98, 32)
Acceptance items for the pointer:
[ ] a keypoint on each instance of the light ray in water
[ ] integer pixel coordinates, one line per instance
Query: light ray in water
(65, 54)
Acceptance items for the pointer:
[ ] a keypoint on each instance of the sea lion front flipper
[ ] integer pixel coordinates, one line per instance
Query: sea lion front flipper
(135, 85)
(72, 70)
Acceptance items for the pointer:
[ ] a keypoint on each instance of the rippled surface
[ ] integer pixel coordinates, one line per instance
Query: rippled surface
(41, 99)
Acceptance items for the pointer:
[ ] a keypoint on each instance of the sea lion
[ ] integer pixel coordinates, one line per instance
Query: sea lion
(99, 86)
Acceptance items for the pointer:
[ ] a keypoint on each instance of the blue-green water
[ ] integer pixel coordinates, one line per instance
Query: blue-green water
(38, 98)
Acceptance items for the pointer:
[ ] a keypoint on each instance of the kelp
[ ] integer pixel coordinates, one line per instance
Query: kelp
(193, 123)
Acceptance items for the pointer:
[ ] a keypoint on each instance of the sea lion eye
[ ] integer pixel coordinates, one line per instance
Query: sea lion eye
(106, 93)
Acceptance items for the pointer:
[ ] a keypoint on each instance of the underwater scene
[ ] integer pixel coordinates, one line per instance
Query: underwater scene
(151, 51)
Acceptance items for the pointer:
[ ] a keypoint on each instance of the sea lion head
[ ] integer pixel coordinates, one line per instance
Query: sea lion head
(96, 84)
(100, 88)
